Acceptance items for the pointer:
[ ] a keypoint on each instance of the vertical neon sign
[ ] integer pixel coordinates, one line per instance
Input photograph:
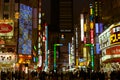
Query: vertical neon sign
(82, 26)
(72, 55)
(92, 35)
(76, 33)
(46, 46)
(69, 52)
(97, 41)
(85, 30)
(55, 57)
(92, 57)
(97, 24)
(39, 35)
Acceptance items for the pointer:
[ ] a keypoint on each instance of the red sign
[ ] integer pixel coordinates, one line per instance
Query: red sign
(84, 39)
(113, 50)
(5, 28)
(92, 36)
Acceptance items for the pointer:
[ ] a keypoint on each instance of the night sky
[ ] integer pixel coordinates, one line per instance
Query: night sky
(78, 7)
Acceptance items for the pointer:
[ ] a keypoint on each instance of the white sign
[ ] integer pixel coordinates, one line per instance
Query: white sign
(8, 58)
(104, 40)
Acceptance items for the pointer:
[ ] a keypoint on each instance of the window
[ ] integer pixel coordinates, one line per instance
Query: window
(6, 16)
(6, 1)
(16, 1)
(6, 8)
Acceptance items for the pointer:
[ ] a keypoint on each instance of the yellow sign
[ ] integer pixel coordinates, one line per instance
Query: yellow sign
(85, 27)
(91, 25)
(39, 27)
(114, 38)
(85, 63)
(76, 62)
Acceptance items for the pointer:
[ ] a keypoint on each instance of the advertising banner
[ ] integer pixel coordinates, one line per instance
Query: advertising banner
(8, 58)
(113, 50)
(6, 28)
(25, 30)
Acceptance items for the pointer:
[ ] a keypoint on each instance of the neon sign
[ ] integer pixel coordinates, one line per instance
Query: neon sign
(115, 34)
(114, 38)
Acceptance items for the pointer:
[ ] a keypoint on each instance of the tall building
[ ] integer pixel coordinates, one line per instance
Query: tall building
(62, 21)
(66, 15)
(16, 32)
(110, 18)
(8, 32)
(107, 17)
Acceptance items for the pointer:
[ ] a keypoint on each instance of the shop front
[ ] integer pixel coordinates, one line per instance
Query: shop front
(110, 48)
(111, 58)
(24, 63)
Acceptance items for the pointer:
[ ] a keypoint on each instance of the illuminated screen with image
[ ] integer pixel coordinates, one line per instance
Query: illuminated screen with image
(25, 30)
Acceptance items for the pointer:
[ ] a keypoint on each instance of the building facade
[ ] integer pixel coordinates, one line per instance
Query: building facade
(62, 20)
(12, 49)
(8, 32)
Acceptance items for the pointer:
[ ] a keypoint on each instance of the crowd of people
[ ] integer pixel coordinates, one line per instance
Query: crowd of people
(78, 74)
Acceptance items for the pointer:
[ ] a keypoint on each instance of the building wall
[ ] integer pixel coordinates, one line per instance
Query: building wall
(7, 11)
(61, 24)
(110, 12)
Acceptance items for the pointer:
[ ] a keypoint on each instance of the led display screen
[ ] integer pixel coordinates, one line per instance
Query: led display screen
(25, 30)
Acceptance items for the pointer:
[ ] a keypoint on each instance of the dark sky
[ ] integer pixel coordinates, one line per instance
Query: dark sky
(78, 7)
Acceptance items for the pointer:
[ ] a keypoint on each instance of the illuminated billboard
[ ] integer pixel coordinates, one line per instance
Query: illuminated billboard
(110, 36)
(7, 58)
(82, 26)
(115, 34)
(113, 50)
(25, 30)
(104, 39)
(111, 54)
(6, 27)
